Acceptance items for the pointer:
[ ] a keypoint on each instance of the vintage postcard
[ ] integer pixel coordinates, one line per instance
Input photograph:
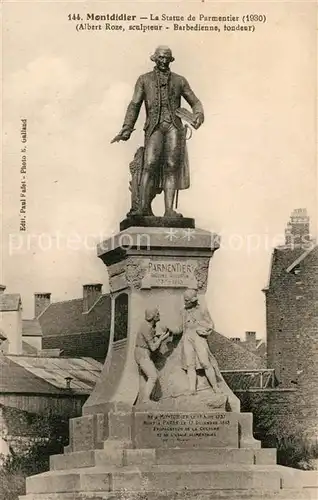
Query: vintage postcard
(158, 297)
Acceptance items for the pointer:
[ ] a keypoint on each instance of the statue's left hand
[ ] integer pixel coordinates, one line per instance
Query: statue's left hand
(199, 119)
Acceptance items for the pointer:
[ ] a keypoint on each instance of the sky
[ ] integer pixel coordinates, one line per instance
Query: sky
(252, 162)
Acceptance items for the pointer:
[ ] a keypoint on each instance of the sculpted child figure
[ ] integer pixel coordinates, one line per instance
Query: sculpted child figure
(148, 341)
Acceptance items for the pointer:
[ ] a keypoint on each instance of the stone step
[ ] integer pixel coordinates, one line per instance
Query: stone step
(77, 459)
(290, 494)
(120, 457)
(189, 477)
(157, 477)
(82, 459)
(216, 456)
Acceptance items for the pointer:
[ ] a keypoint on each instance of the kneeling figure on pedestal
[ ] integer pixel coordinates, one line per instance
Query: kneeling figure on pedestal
(147, 342)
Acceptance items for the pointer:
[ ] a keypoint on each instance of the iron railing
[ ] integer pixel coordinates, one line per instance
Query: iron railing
(263, 378)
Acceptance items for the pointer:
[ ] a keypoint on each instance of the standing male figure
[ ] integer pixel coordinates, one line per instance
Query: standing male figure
(147, 342)
(196, 325)
(164, 155)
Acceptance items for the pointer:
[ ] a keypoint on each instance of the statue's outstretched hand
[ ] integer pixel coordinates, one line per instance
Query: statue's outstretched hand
(123, 135)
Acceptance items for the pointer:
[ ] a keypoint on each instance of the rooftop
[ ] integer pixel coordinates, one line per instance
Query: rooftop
(67, 317)
(233, 356)
(31, 328)
(46, 375)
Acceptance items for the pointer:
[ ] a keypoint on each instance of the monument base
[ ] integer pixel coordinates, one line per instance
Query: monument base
(177, 446)
(152, 455)
(294, 494)
(153, 221)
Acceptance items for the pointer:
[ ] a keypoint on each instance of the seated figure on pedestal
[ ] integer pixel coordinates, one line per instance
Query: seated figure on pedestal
(148, 341)
(196, 325)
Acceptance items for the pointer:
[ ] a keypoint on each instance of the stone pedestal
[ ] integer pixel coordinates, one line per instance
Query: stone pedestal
(147, 266)
(176, 447)
(153, 221)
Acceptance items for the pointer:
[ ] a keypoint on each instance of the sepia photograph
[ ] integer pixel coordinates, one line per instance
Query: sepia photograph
(159, 277)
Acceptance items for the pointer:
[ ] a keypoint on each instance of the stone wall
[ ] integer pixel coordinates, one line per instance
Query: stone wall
(292, 320)
(292, 336)
(67, 405)
(281, 412)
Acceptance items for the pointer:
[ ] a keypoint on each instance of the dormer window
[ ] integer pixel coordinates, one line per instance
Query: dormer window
(296, 270)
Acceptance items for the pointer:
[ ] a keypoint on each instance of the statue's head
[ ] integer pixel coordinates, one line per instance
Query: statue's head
(162, 57)
(190, 298)
(152, 314)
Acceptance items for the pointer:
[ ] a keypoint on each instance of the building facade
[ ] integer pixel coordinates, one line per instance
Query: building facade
(292, 318)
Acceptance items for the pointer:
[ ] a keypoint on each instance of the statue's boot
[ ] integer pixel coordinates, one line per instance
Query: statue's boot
(146, 195)
(132, 212)
(148, 208)
(146, 211)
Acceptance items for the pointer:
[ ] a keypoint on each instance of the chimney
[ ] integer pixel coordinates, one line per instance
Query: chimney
(250, 339)
(236, 340)
(2, 288)
(297, 232)
(91, 294)
(41, 302)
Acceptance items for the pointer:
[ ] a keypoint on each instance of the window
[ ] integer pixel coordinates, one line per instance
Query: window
(121, 317)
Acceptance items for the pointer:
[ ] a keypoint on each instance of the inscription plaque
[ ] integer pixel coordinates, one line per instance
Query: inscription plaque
(174, 273)
(186, 429)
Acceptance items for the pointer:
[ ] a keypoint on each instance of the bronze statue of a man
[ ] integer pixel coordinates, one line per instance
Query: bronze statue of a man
(164, 160)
